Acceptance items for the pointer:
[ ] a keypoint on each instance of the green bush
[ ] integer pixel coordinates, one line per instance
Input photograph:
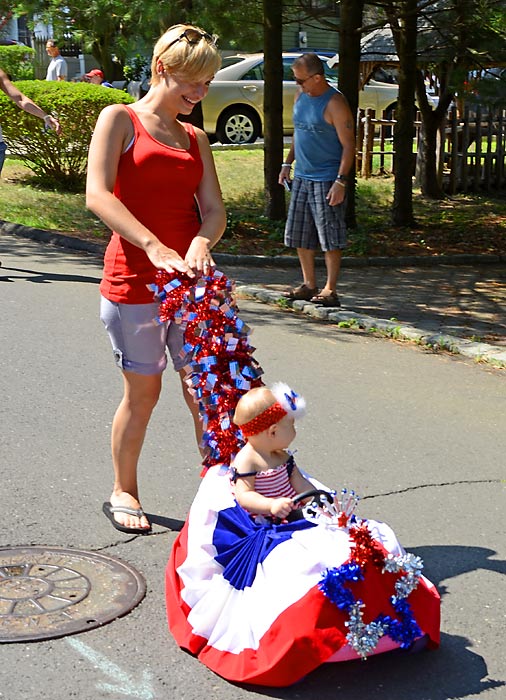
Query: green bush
(56, 161)
(17, 62)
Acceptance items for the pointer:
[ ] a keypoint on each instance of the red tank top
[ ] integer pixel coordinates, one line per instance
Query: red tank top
(157, 183)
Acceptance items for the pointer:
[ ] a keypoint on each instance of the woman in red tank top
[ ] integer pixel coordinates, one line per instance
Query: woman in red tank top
(152, 180)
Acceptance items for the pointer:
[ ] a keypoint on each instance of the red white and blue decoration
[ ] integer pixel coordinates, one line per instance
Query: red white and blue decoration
(222, 366)
(266, 603)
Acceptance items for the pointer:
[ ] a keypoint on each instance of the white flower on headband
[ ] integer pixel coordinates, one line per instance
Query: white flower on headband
(293, 403)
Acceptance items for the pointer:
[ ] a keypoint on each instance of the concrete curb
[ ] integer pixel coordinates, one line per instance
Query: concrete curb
(483, 352)
(98, 248)
(491, 354)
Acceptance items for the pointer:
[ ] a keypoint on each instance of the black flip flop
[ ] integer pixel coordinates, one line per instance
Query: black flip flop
(109, 511)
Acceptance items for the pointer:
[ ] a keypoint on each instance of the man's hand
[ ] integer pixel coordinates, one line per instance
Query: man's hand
(336, 194)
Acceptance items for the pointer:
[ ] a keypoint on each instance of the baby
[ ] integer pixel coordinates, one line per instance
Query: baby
(265, 475)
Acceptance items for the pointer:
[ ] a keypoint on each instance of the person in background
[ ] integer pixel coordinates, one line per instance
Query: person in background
(153, 181)
(26, 104)
(57, 68)
(97, 77)
(323, 148)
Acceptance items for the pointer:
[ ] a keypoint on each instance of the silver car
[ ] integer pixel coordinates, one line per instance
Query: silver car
(234, 107)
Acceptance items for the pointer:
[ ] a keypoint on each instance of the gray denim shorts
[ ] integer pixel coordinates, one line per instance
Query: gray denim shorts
(138, 341)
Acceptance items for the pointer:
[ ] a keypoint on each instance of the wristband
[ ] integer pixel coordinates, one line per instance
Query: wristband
(338, 182)
(286, 165)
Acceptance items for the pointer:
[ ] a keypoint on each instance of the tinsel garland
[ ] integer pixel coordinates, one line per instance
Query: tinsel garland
(221, 366)
(363, 638)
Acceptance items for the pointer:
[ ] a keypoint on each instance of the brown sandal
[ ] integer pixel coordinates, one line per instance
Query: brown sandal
(301, 293)
(331, 300)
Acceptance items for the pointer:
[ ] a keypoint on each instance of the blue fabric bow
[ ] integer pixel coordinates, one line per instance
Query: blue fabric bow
(242, 544)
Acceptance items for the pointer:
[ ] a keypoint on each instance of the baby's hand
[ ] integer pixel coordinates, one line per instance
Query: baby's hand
(281, 507)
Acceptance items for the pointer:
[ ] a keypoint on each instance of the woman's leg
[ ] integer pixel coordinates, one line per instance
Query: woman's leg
(129, 426)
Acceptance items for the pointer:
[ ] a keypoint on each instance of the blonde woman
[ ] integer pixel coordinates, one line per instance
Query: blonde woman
(152, 180)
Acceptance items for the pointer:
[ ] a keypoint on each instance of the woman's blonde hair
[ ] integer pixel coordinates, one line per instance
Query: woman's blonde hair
(252, 404)
(193, 61)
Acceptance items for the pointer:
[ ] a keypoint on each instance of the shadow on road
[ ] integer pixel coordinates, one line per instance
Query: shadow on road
(442, 562)
(169, 523)
(43, 277)
(452, 671)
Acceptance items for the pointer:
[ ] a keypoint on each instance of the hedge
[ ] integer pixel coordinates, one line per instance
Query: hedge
(17, 62)
(58, 161)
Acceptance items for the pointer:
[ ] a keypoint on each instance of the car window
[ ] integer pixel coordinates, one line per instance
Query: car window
(330, 73)
(287, 69)
(257, 72)
(254, 73)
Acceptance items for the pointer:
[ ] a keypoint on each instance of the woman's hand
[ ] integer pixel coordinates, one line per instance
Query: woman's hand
(164, 258)
(199, 257)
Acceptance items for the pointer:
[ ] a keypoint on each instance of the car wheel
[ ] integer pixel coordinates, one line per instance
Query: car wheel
(238, 125)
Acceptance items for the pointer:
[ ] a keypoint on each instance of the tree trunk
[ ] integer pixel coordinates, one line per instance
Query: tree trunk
(349, 76)
(404, 30)
(102, 53)
(432, 121)
(427, 157)
(275, 205)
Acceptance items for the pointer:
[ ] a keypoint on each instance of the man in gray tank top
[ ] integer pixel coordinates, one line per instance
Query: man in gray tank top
(323, 149)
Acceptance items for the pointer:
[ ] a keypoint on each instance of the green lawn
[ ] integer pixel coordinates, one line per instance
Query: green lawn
(464, 223)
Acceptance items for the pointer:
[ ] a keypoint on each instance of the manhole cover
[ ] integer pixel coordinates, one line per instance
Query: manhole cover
(48, 592)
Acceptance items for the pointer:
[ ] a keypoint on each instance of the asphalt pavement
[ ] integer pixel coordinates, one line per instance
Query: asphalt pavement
(420, 436)
(455, 303)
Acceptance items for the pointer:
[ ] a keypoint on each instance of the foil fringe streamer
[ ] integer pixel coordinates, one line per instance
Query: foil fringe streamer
(220, 365)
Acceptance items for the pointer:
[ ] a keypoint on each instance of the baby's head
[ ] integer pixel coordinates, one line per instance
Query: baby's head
(260, 408)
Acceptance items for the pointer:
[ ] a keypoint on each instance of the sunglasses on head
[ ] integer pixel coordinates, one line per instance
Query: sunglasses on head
(194, 36)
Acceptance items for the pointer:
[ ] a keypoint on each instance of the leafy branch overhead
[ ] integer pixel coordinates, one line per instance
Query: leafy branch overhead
(111, 30)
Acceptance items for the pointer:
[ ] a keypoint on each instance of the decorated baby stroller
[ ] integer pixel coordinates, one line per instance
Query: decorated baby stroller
(264, 602)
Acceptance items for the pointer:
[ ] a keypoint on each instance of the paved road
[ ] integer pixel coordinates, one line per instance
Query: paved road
(457, 306)
(421, 436)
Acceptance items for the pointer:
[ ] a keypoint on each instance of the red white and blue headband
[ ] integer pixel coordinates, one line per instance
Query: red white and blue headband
(288, 402)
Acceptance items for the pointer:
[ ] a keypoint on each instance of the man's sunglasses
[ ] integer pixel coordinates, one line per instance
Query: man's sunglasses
(193, 37)
(301, 81)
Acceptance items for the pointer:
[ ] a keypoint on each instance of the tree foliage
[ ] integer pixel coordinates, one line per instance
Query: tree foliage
(111, 30)
(452, 38)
